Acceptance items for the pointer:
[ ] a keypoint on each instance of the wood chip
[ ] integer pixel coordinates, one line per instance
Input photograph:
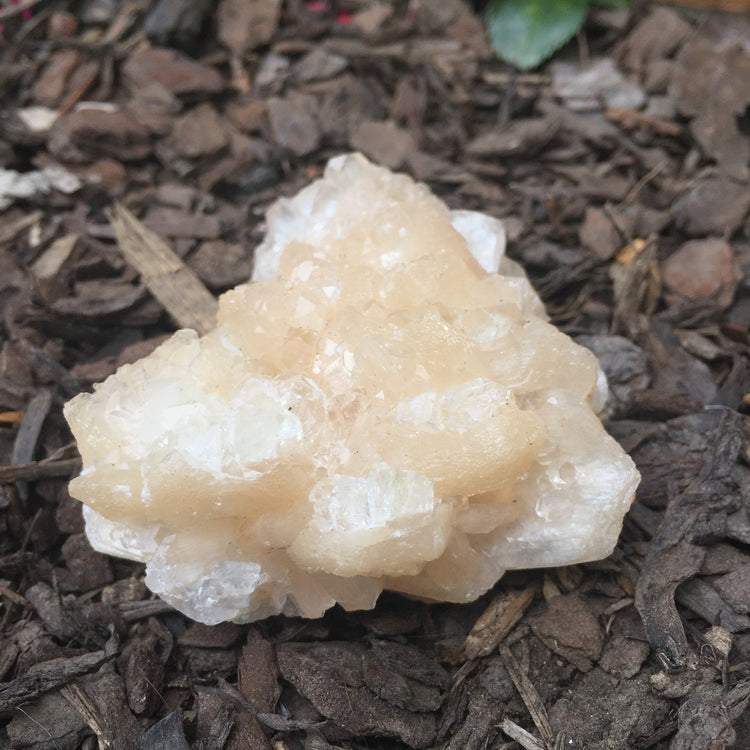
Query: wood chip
(165, 733)
(502, 615)
(173, 284)
(28, 434)
(521, 736)
(49, 263)
(258, 676)
(100, 700)
(30, 472)
(11, 230)
(674, 557)
(49, 675)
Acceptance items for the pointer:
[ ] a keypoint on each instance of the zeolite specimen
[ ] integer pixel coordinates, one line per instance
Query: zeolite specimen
(386, 408)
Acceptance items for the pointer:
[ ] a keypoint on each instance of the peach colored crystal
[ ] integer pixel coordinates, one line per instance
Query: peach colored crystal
(381, 410)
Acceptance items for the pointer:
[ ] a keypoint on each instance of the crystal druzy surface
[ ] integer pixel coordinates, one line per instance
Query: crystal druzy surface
(385, 407)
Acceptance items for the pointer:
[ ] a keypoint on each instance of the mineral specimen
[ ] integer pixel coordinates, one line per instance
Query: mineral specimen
(384, 407)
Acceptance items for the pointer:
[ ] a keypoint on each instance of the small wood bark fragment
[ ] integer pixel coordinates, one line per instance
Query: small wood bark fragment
(475, 706)
(48, 722)
(171, 282)
(100, 700)
(51, 371)
(72, 620)
(49, 675)
(31, 425)
(144, 676)
(28, 434)
(258, 675)
(9, 651)
(500, 617)
(706, 718)
(218, 733)
(703, 599)
(343, 682)
(51, 261)
(569, 628)
(674, 556)
(166, 733)
(81, 82)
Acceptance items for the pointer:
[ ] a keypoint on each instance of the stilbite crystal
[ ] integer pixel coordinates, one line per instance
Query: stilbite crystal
(385, 407)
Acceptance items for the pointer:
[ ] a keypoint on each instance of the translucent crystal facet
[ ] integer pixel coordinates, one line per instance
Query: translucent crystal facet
(385, 405)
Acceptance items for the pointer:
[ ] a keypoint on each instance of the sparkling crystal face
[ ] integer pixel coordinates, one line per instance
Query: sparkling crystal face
(384, 407)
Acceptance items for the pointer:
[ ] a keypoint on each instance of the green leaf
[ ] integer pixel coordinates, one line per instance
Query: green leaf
(615, 4)
(526, 32)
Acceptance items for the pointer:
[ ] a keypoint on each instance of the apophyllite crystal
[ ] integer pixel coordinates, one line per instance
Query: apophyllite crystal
(385, 407)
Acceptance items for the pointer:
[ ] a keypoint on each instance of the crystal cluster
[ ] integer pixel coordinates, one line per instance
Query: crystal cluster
(385, 406)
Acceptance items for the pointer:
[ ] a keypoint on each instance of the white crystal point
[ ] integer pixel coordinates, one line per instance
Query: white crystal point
(386, 406)
(350, 183)
(484, 235)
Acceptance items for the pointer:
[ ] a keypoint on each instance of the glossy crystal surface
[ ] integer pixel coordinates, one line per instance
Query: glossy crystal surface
(386, 406)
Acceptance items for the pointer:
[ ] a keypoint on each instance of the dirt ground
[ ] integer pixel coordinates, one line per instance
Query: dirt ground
(621, 169)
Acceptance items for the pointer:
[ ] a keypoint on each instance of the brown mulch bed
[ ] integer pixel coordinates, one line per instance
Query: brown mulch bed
(621, 169)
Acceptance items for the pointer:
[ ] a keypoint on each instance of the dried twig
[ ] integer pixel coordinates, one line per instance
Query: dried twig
(46, 469)
(521, 736)
(49, 675)
(530, 697)
(500, 617)
(133, 611)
